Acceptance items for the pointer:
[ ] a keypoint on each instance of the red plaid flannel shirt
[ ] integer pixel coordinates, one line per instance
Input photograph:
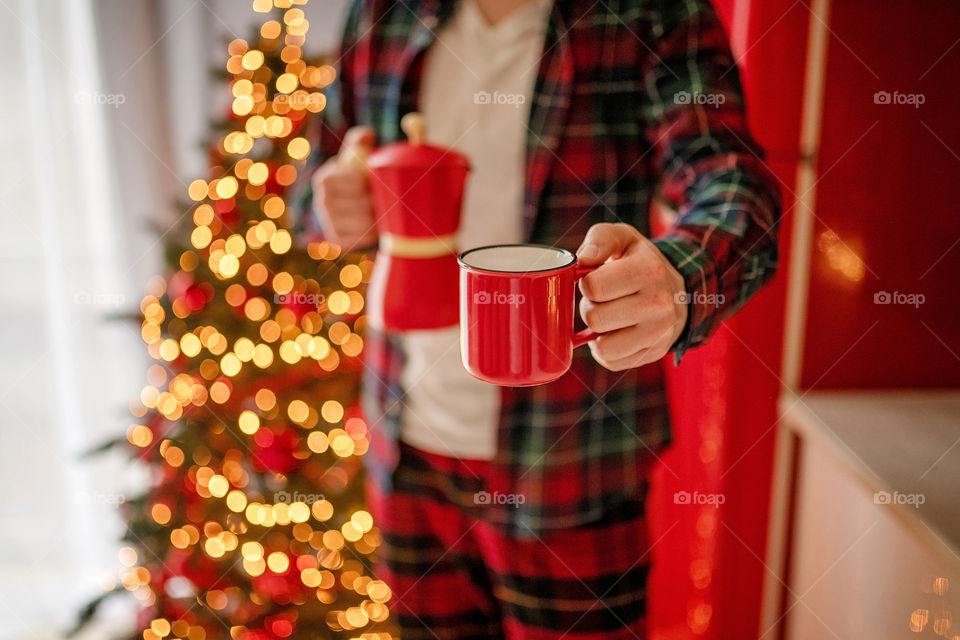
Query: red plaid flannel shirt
(633, 98)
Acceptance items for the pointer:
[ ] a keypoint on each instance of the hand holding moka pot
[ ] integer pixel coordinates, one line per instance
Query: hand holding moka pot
(417, 192)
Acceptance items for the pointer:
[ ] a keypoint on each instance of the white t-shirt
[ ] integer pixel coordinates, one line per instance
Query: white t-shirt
(475, 96)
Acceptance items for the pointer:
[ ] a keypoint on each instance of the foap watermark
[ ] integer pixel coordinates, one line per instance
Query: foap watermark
(515, 100)
(285, 497)
(105, 499)
(912, 99)
(99, 298)
(299, 298)
(95, 97)
(699, 498)
(485, 497)
(298, 100)
(709, 99)
(911, 299)
(912, 499)
(496, 297)
(699, 297)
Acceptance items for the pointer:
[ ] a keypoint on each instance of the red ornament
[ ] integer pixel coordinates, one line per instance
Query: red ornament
(274, 448)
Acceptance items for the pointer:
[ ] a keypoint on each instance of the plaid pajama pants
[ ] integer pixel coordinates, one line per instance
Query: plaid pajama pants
(455, 576)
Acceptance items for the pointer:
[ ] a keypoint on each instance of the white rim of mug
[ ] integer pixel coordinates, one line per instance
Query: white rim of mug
(466, 265)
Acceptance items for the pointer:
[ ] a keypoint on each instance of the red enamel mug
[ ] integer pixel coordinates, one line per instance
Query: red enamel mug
(516, 313)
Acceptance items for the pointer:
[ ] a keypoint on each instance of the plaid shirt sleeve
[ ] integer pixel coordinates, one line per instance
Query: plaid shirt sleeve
(723, 241)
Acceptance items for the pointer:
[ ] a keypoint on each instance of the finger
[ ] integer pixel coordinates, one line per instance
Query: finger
(623, 343)
(610, 316)
(637, 359)
(638, 270)
(605, 240)
(359, 136)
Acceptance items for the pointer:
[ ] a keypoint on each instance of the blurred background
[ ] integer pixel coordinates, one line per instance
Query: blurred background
(826, 415)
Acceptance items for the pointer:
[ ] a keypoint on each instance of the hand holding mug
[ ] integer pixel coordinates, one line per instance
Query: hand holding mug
(341, 193)
(635, 298)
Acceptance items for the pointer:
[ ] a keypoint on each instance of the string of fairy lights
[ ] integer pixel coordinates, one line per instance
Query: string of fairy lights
(268, 104)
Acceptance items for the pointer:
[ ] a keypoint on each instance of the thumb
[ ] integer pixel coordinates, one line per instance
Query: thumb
(605, 240)
(356, 146)
(359, 136)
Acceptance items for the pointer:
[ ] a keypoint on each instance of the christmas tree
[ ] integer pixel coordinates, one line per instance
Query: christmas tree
(253, 526)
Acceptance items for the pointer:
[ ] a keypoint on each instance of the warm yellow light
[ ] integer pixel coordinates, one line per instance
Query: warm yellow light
(251, 550)
(298, 411)
(343, 445)
(227, 187)
(262, 356)
(322, 510)
(378, 591)
(363, 520)
(228, 266)
(254, 567)
(230, 364)
(249, 422)
(338, 302)
(235, 245)
(219, 392)
(218, 486)
(190, 344)
(351, 276)
(139, 435)
(214, 547)
(298, 148)
(244, 349)
(203, 214)
(287, 82)
(299, 512)
(311, 577)
(332, 411)
(242, 105)
(257, 173)
(256, 309)
(278, 562)
(161, 513)
(197, 190)
(252, 60)
(236, 501)
(169, 349)
(290, 352)
(201, 237)
(273, 206)
(160, 626)
(180, 538)
(270, 29)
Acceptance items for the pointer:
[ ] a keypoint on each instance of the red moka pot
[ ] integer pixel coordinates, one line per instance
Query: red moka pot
(417, 192)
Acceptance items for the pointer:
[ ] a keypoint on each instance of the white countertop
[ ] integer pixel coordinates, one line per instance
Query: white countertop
(894, 440)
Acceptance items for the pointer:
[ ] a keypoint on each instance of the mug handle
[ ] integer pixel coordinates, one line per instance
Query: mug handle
(581, 338)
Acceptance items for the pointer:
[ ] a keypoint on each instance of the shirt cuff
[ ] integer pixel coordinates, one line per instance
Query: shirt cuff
(697, 267)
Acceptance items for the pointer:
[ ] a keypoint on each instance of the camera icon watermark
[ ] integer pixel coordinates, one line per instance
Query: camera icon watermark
(487, 498)
(95, 97)
(912, 499)
(912, 99)
(700, 298)
(496, 297)
(910, 299)
(699, 498)
(515, 100)
(708, 99)
(285, 497)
